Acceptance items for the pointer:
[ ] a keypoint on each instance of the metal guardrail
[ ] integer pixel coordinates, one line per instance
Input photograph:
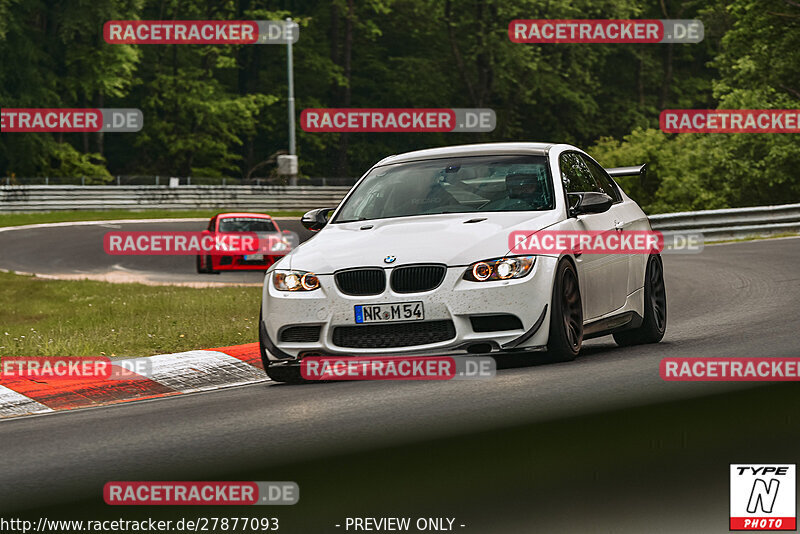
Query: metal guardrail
(715, 225)
(734, 223)
(167, 180)
(29, 198)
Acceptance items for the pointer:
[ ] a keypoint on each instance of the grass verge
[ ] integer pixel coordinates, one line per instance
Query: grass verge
(86, 318)
(18, 219)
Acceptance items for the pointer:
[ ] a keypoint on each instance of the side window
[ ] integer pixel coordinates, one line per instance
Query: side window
(575, 174)
(603, 180)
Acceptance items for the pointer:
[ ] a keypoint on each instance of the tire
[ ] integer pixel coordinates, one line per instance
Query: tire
(566, 315)
(199, 264)
(208, 269)
(654, 323)
(288, 374)
(210, 266)
(261, 348)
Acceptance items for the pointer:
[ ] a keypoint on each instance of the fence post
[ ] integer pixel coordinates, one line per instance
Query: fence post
(157, 180)
(224, 181)
(8, 180)
(46, 180)
(118, 179)
(188, 180)
(83, 180)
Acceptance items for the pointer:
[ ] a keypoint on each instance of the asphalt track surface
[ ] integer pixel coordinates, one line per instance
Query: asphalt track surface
(733, 300)
(77, 250)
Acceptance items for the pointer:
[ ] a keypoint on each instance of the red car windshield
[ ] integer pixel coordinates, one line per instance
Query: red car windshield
(246, 224)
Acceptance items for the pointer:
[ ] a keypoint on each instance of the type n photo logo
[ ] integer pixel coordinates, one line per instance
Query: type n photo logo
(763, 497)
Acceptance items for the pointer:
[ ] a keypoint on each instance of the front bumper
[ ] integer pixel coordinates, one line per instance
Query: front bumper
(239, 263)
(455, 300)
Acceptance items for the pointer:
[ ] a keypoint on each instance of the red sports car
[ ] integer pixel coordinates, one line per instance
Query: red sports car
(274, 243)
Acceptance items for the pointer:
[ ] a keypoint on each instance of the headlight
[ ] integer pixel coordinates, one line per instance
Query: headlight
(500, 268)
(295, 281)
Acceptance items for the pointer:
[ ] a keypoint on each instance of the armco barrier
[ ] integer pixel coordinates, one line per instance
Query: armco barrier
(735, 223)
(716, 225)
(27, 198)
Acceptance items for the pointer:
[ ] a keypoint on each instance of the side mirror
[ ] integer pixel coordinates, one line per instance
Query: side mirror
(589, 202)
(291, 238)
(315, 220)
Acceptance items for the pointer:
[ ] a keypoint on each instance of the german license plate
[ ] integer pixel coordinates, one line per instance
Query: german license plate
(253, 257)
(387, 313)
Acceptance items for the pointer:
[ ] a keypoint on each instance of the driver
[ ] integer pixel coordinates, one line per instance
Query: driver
(524, 193)
(523, 186)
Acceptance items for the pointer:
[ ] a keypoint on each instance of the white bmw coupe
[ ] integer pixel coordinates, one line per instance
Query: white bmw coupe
(416, 261)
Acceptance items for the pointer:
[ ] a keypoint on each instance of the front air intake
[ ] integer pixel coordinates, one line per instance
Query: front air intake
(495, 323)
(380, 336)
(300, 334)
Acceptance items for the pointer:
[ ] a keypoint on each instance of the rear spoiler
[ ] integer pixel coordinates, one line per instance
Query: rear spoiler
(636, 170)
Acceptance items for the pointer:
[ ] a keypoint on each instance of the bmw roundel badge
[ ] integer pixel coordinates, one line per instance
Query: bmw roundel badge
(389, 259)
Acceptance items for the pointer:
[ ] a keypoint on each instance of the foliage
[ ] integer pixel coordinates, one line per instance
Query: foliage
(221, 110)
(758, 69)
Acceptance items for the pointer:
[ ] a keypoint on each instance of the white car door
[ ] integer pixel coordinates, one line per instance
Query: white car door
(621, 220)
(603, 277)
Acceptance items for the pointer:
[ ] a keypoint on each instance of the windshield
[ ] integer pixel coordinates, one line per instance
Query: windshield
(246, 224)
(463, 185)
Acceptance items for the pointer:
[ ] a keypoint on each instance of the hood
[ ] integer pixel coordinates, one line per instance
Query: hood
(448, 238)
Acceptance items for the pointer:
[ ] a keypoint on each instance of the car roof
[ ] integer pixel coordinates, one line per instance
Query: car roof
(244, 214)
(482, 149)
